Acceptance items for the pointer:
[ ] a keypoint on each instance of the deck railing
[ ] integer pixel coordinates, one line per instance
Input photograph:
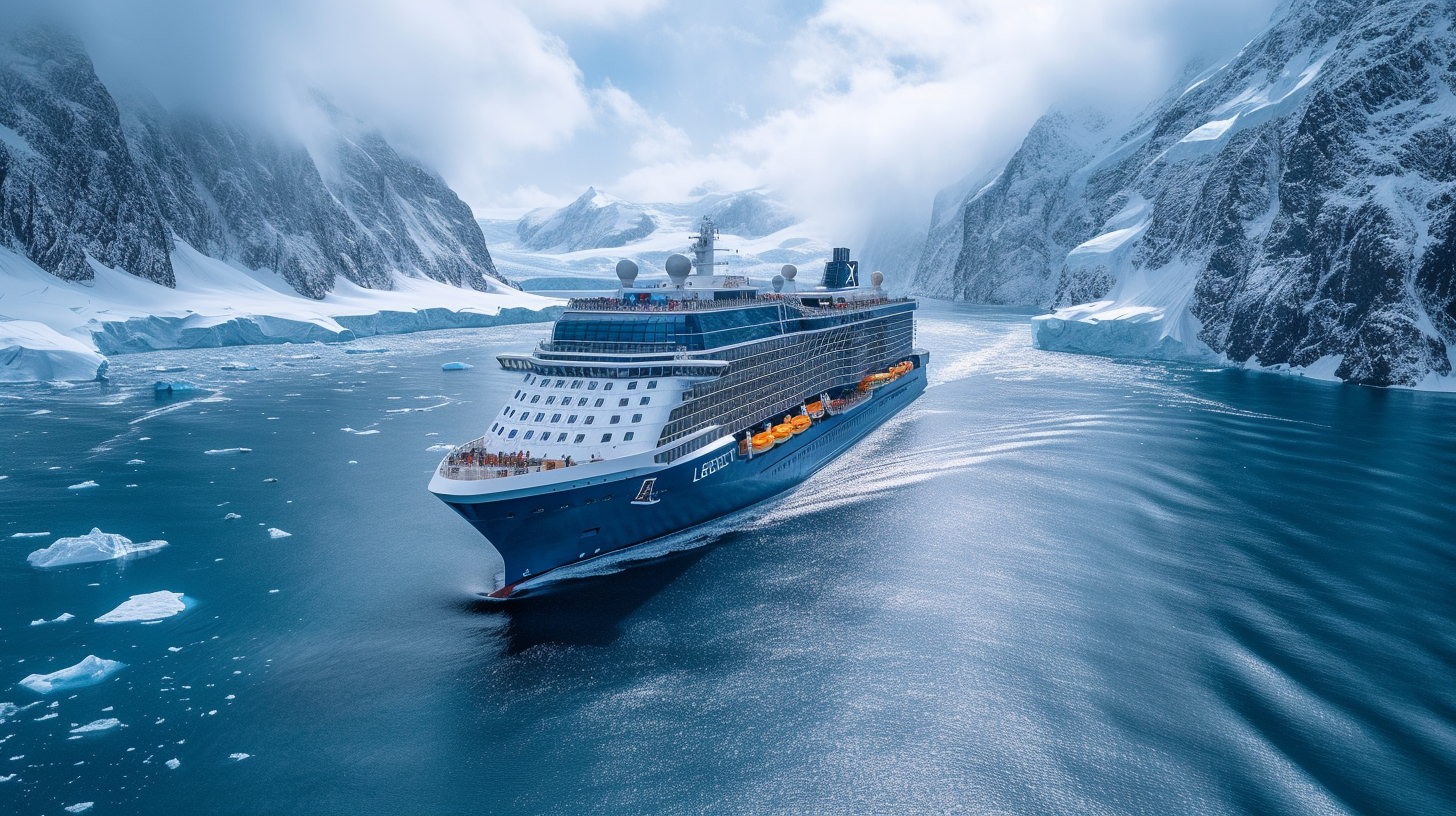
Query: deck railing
(472, 462)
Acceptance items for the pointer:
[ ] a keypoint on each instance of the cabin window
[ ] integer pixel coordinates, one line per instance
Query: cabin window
(560, 383)
(517, 396)
(622, 403)
(652, 383)
(591, 386)
(636, 417)
(556, 417)
(561, 437)
(616, 418)
(606, 437)
(580, 438)
(512, 434)
(632, 386)
(644, 400)
(492, 427)
(627, 437)
(589, 420)
(607, 387)
(530, 434)
(581, 402)
(498, 433)
(571, 420)
(535, 398)
(550, 400)
(576, 383)
(540, 417)
(599, 403)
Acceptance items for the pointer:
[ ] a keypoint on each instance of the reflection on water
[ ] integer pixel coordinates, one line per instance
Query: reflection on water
(1053, 584)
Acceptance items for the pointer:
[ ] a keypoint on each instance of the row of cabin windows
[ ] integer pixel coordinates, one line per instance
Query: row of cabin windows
(581, 401)
(571, 420)
(561, 437)
(545, 382)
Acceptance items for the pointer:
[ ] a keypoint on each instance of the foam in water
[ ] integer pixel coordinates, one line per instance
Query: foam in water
(94, 546)
(151, 606)
(88, 672)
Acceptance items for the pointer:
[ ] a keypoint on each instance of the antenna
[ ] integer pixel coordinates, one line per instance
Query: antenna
(704, 251)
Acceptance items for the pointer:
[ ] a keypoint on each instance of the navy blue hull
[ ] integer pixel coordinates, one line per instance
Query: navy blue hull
(538, 533)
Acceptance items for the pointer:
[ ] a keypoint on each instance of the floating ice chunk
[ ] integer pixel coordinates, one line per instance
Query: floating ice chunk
(353, 461)
(269, 480)
(49, 716)
(97, 726)
(151, 606)
(80, 807)
(28, 535)
(365, 433)
(88, 672)
(440, 448)
(221, 451)
(231, 516)
(136, 462)
(7, 777)
(174, 764)
(174, 648)
(177, 387)
(274, 532)
(169, 369)
(41, 412)
(94, 546)
(8, 710)
(84, 485)
(238, 757)
(61, 618)
(238, 367)
(456, 367)
(365, 351)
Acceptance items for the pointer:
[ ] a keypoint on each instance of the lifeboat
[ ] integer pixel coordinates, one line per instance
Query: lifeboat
(782, 432)
(801, 424)
(874, 381)
(815, 409)
(763, 441)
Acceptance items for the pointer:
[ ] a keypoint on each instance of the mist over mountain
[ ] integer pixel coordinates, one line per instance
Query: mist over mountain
(117, 178)
(1292, 207)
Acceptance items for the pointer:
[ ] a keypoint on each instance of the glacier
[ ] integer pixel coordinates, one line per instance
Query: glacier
(88, 672)
(94, 546)
(34, 352)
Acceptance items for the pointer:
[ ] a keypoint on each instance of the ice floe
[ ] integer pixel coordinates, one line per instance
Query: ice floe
(222, 451)
(86, 485)
(456, 367)
(97, 726)
(440, 448)
(94, 546)
(238, 757)
(80, 807)
(136, 462)
(88, 672)
(175, 387)
(174, 764)
(231, 516)
(274, 532)
(238, 367)
(29, 535)
(150, 606)
(61, 618)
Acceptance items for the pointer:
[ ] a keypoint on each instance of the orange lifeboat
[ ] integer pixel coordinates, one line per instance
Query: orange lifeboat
(815, 409)
(782, 432)
(801, 424)
(763, 441)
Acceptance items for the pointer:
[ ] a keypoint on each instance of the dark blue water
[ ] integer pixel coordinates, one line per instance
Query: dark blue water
(1055, 584)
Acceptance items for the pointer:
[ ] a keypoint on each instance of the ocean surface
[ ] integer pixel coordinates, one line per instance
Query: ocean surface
(1054, 584)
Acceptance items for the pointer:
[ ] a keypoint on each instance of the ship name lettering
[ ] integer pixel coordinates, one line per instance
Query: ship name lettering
(712, 466)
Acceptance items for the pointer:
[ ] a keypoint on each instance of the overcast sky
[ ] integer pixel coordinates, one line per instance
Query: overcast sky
(846, 107)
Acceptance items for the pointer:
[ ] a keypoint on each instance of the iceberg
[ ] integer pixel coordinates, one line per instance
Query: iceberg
(84, 485)
(29, 535)
(238, 757)
(88, 672)
(221, 451)
(151, 606)
(61, 618)
(94, 546)
(456, 367)
(97, 726)
(34, 352)
(238, 367)
(231, 516)
(274, 532)
(80, 807)
(178, 387)
(174, 764)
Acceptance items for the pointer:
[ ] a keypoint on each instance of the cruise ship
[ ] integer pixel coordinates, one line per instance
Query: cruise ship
(677, 401)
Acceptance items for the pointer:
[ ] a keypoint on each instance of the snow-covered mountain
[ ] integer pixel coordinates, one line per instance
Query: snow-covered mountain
(580, 243)
(125, 226)
(1293, 207)
(83, 172)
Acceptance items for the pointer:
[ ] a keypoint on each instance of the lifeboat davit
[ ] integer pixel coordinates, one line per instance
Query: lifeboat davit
(801, 424)
(763, 441)
(782, 432)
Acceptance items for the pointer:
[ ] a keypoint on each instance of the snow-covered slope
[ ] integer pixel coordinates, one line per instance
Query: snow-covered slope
(1291, 208)
(34, 352)
(583, 241)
